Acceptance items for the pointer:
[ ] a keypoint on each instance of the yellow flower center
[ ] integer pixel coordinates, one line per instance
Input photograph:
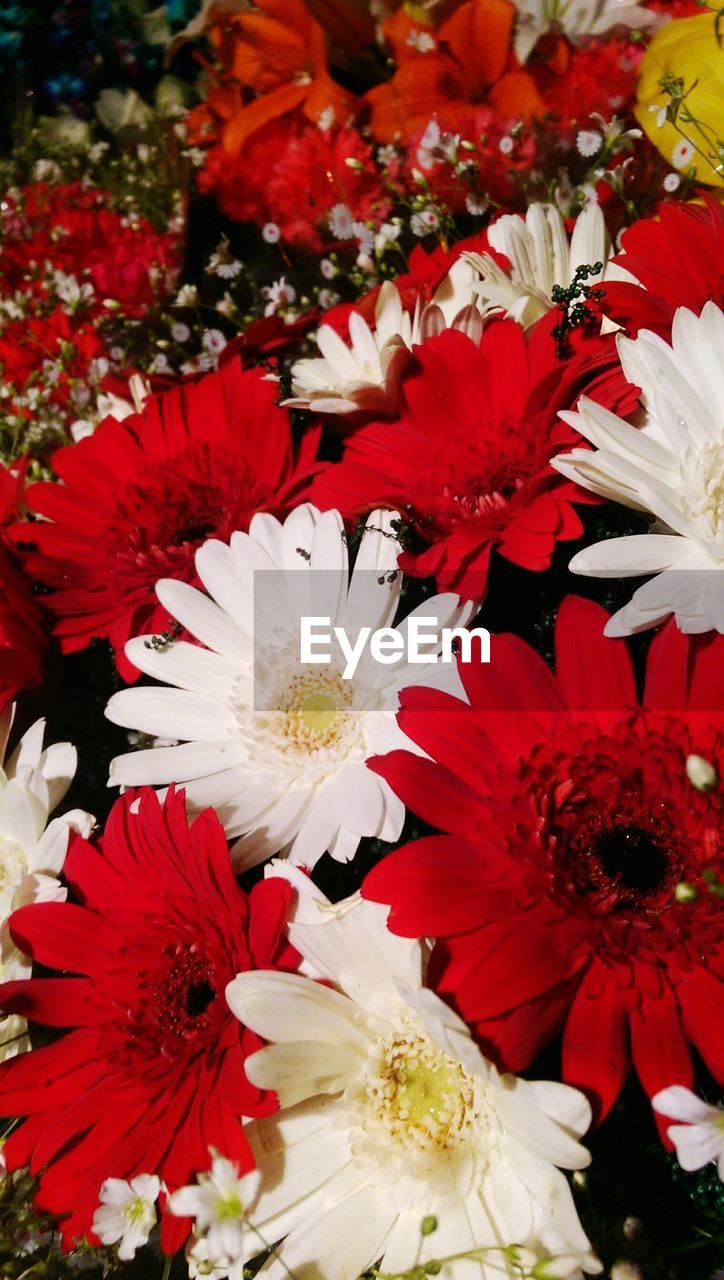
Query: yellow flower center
(139, 1212)
(424, 1098)
(314, 710)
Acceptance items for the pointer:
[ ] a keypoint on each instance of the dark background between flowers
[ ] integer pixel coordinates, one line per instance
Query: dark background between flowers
(636, 1204)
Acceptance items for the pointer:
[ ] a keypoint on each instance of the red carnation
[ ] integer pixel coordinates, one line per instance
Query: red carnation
(467, 461)
(678, 259)
(600, 77)
(293, 173)
(152, 1073)
(570, 821)
(140, 496)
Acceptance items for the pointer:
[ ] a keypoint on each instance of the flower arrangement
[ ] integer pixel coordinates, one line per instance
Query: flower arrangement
(361, 641)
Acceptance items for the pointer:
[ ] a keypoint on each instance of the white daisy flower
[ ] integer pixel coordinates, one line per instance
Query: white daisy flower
(671, 467)
(219, 1203)
(390, 1113)
(699, 1137)
(540, 257)
(341, 222)
(683, 154)
(364, 373)
(32, 850)
(588, 142)
(278, 747)
(576, 18)
(127, 1215)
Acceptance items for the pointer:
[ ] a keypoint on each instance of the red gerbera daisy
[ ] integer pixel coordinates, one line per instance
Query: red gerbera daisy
(152, 1073)
(678, 258)
(22, 634)
(467, 460)
(570, 822)
(139, 496)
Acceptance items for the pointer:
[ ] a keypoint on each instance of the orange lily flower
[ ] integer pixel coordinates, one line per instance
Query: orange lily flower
(278, 51)
(471, 62)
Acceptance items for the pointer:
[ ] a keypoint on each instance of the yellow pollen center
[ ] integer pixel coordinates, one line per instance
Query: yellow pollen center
(314, 711)
(318, 711)
(422, 1091)
(425, 1100)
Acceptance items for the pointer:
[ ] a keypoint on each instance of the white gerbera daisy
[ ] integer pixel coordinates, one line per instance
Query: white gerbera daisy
(32, 850)
(672, 467)
(278, 747)
(540, 257)
(390, 1113)
(699, 1136)
(576, 18)
(365, 373)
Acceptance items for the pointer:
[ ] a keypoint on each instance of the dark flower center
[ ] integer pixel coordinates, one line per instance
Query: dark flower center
(194, 533)
(183, 992)
(632, 859)
(198, 997)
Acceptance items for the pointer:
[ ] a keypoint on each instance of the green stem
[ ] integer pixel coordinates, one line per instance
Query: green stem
(167, 1267)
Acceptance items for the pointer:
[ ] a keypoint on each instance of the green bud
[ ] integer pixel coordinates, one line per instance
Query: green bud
(428, 1225)
(432, 1268)
(685, 892)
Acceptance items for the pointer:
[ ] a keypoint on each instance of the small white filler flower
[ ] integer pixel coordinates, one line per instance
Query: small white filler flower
(127, 1214)
(699, 1135)
(219, 1203)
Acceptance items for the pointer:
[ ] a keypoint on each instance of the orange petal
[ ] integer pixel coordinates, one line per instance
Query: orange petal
(324, 93)
(516, 96)
(397, 31)
(260, 112)
(478, 35)
(416, 92)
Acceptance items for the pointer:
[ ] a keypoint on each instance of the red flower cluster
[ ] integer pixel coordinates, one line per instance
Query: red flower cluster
(151, 1073)
(140, 496)
(485, 419)
(65, 253)
(600, 77)
(292, 173)
(569, 822)
(74, 228)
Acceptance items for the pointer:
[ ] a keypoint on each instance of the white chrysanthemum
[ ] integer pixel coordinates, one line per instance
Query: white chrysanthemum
(699, 1135)
(576, 18)
(126, 1215)
(390, 1113)
(540, 256)
(276, 746)
(672, 467)
(32, 850)
(364, 374)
